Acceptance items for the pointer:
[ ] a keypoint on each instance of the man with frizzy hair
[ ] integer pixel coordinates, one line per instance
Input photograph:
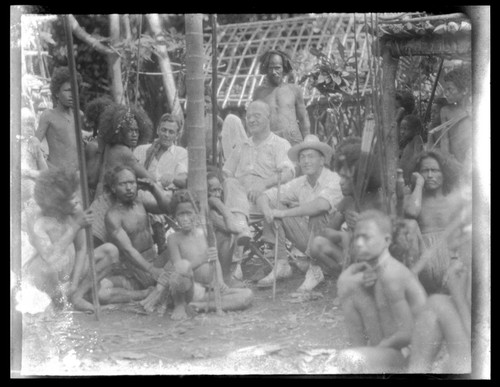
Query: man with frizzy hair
(60, 267)
(289, 117)
(380, 298)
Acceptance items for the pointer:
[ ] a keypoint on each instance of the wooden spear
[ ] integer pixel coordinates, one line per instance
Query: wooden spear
(81, 160)
(278, 198)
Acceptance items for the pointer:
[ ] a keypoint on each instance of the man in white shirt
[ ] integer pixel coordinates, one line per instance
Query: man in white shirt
(253, 166)
(305, 206)
(167, 162)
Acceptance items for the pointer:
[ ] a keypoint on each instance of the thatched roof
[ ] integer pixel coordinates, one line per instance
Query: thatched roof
(240, 46)
(442, 35)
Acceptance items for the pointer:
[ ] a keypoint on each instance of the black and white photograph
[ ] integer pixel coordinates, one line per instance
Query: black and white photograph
(250, 194)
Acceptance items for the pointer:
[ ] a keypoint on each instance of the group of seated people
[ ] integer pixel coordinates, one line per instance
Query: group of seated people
(403, 285)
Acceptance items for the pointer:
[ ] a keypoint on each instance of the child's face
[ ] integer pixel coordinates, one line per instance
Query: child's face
(214, 188)
(452, 93)
(346, 181)
(185, 216)
(369, 241)
(64, 95)
(131, 135)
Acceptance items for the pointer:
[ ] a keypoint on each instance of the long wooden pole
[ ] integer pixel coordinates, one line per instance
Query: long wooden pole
(81, 160)
(431, 99)
(215, 134)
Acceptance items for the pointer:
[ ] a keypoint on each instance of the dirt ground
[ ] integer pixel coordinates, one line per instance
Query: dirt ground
(288, 336)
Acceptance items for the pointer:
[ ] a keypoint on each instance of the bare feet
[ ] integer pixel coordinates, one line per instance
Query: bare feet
(152, 298)
(179, 313)
(80, 304)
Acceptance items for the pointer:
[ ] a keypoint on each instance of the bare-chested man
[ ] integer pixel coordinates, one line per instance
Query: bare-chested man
(127, 224)
(289, 117)
(189, 245)
(380, 298)
(432, 204)
(58, 124)
(60, 266)
(458, 139)
(121, 129)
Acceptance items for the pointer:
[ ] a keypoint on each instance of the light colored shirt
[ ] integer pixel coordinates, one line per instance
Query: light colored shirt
(173, 161)
(298, 191)
(260, 160)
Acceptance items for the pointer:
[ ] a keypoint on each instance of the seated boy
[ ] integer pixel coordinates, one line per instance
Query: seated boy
(380, 298)
(188, 246)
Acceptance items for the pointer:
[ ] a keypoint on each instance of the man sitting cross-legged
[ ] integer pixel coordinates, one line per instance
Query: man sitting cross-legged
(305, 206)
(380, 298)
(59, 239)
(188, 248)
(127, 224)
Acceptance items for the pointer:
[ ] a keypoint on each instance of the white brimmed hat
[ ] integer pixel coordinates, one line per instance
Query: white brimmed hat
(311, 142)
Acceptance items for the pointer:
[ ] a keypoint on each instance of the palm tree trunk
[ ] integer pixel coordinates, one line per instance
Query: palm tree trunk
(166, 68)
(114, 61)
(195, 124)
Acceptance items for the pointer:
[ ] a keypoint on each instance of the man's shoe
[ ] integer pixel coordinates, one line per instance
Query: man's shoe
(314, 277)
(283, 270)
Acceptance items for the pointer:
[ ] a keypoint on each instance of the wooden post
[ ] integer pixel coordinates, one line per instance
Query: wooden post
(215, 134)
(81, 161)
(16, 335)
(389, 68)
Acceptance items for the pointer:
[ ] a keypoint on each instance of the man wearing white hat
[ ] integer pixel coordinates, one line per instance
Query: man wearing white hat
(306, 204)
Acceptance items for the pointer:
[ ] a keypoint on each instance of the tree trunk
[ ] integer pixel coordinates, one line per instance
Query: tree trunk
(389, 68)
(114, 61)
(195, 123)
(166, 68)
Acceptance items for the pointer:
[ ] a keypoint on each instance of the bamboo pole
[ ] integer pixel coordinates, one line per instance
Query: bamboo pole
(138, 62)
(213, 19)
(451, 16)
(81, 161)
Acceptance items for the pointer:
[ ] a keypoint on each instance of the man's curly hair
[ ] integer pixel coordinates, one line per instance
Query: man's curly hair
(266, 57)
(94, 109)
(183, 196)
(112, 116)
(348, 153)
(60, 76)
(460, 77)
(406, 100)
(54, 187)
(449, 168)
(110, 176)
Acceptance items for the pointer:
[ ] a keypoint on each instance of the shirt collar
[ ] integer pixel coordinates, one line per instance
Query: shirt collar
(320, 181)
